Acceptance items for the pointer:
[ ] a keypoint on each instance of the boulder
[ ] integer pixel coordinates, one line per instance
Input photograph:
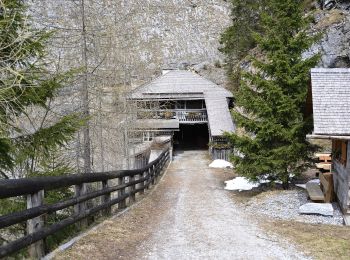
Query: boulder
(325, 209)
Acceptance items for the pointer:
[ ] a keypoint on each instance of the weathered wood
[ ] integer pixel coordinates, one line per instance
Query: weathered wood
(314, 191)
(16, 217)
(327, 186)
(341, 180)
(106, 198)
(132, 198)
(143, 176)
(80, 208)
(50, 230)
(79, 201)
(121, 193)
(37, 249)
(17, 187)
(324, 166)
(154, 172)
(324, 157)
(149, 175)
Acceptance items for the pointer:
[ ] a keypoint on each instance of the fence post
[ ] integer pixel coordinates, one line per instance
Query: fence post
(154, 173)
(143, 183)
(121, 192)
(132, 189)
(106, 198)
(37, 249)
(80, 207)
(149, 176)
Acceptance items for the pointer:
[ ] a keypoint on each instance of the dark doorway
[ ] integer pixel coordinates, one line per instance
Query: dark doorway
(192, 137)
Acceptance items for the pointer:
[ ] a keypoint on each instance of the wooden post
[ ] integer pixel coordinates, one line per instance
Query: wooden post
(80, 207)
(154, 172)
(143, 183)
(132, 188)
(149, 176)
(106, 198)
(37, 249)
(121, 192)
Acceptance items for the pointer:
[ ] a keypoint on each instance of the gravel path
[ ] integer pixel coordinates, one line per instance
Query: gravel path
(188, 216)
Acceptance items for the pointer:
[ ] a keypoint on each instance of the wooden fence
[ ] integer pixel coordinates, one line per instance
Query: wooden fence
(130, 182)
(223, 154)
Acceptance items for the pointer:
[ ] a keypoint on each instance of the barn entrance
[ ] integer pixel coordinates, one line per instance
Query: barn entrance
(192, 137)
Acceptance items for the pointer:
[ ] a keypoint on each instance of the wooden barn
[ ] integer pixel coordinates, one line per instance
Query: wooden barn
(190, 109)
(331, 112)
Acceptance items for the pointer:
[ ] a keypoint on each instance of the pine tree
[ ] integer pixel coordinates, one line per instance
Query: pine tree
(271, 99)
(237, 40)
(26, 83)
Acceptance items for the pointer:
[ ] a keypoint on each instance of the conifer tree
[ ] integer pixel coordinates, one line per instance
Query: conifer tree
(237, 40)
(26, 83)
(271, 98)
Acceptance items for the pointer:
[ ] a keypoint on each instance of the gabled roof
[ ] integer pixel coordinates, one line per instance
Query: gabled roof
(177, 84)
(331, 101)
(180, 84)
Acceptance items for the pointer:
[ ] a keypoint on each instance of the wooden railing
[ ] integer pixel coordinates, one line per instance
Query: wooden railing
(130, 182)
(183, 115)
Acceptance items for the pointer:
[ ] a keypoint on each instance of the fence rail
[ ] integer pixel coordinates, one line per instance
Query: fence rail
(130, 182)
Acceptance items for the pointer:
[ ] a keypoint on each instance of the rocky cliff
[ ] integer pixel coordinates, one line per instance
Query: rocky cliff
(334, 46)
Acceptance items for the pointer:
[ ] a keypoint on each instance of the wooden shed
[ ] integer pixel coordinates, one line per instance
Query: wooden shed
(331, 112)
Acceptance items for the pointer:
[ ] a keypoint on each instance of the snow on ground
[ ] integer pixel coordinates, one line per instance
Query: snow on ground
(220, 164)
(284, 204)
(240, 183)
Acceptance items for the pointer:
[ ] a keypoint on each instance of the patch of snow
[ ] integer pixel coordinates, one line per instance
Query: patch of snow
(240, 183)
(303, 186)
(221, 164)
(314, 181)
(325, 209)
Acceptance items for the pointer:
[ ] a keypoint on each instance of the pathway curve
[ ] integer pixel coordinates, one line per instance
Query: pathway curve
(188, 216)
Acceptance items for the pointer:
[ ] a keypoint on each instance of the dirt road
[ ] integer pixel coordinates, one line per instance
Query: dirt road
(188, 216)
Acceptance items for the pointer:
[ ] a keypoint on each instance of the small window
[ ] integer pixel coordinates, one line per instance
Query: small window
(148, 136)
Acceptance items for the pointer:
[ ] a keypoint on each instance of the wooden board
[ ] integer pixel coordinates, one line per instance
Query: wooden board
(347, 219)
(324, 166)
(326, 180)
(315, 192)
(325, 157)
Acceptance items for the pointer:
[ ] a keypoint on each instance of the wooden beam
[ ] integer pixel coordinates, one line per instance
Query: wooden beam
(37, 249)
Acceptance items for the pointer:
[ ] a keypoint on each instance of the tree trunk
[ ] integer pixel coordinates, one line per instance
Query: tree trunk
(85, 97)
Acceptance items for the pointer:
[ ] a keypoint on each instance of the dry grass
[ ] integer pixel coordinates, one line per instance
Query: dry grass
(334, 16)
(319, 241)
(326, 145)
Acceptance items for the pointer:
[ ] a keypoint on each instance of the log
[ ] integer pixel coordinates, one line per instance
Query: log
(17, 217)
(18, 187)
(37, 249)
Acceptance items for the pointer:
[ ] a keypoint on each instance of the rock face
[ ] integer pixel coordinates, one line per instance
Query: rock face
(334, 46)
(325, 209)
(148, 35)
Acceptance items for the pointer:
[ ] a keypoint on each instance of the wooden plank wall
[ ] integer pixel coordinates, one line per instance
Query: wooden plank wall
(341, 181)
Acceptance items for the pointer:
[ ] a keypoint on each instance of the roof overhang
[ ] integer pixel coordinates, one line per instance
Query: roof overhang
(328, 137)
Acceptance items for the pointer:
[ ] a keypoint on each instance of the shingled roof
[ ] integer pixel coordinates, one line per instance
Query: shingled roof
(331, 101)
(180, 84)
